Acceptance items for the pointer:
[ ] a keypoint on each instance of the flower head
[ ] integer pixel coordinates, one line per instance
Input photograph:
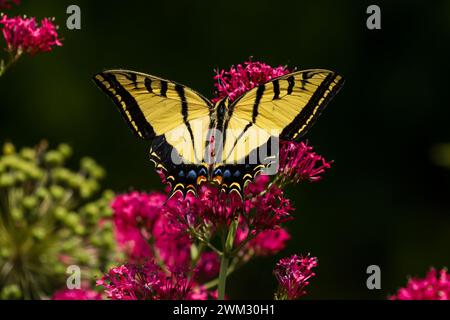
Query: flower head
(135, 213)
(299, 162)
(268, 210)
(76, 294)
(144, 282)
(210, 207)
(435, 286)
(243, 77)
(25, 35)
(269, 242)
(293, 276)
(145, 232)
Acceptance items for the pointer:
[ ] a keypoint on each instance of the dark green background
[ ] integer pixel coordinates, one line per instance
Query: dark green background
(383, 202)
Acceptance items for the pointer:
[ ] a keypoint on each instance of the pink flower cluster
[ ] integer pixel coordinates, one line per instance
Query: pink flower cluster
(7, 4)
(293, 274)
(299, 162)
(435, 286)
(264, 208)
(25, 35)
(243, 77)
(145, 282)
(144, 232)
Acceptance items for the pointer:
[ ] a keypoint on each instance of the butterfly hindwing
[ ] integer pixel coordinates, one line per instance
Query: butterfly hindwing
(182, 177)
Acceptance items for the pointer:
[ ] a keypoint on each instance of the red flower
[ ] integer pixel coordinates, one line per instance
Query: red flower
(25, 35)
(293, 276)
(208, 266)
(143, 231)
(299, 162)
(172, 245)
(435, 286)
(243, 77)
(268, 210)
(134, 216)
(145, 282)
(210, 207)
(269, 242)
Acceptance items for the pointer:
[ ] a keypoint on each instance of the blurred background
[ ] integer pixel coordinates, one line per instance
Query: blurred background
(384, 202)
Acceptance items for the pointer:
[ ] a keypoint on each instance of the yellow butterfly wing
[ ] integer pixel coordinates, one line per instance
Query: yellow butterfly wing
(285, 108)
(175, 118)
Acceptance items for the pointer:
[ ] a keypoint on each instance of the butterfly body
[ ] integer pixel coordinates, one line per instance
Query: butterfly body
(194, 141)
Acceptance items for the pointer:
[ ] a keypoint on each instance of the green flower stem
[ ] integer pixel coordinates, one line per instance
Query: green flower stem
(223, 276)
(205, 241)
(226, 255)
(12, 60)
(231, 268)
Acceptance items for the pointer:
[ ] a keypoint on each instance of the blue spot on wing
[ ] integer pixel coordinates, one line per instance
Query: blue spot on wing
(192, 175)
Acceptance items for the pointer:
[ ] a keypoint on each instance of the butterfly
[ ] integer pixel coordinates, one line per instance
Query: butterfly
(227, 143)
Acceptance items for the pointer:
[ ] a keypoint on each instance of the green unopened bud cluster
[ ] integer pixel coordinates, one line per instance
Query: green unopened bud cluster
(51, 216)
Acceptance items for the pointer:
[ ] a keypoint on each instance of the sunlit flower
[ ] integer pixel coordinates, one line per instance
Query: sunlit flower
(293, 276)
(435, 286)
(243, 77)
(77, 294)
(26, 35)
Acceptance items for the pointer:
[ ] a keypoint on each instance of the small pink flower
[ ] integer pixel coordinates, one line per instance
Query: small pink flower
(25, 35)
(261, 211)
(243, 77)
(134, 217)
(145, 282)
(265, 243)
(435, 286)
(208, 266)
(199, 292)
(293, 276)
(76, 294)
(210, 207)
(269, 242)
(268, 210)
(172, 244)
(299, 162)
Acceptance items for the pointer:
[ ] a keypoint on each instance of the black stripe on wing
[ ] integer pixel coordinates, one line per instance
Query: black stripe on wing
(126, 104)
(309, 114)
